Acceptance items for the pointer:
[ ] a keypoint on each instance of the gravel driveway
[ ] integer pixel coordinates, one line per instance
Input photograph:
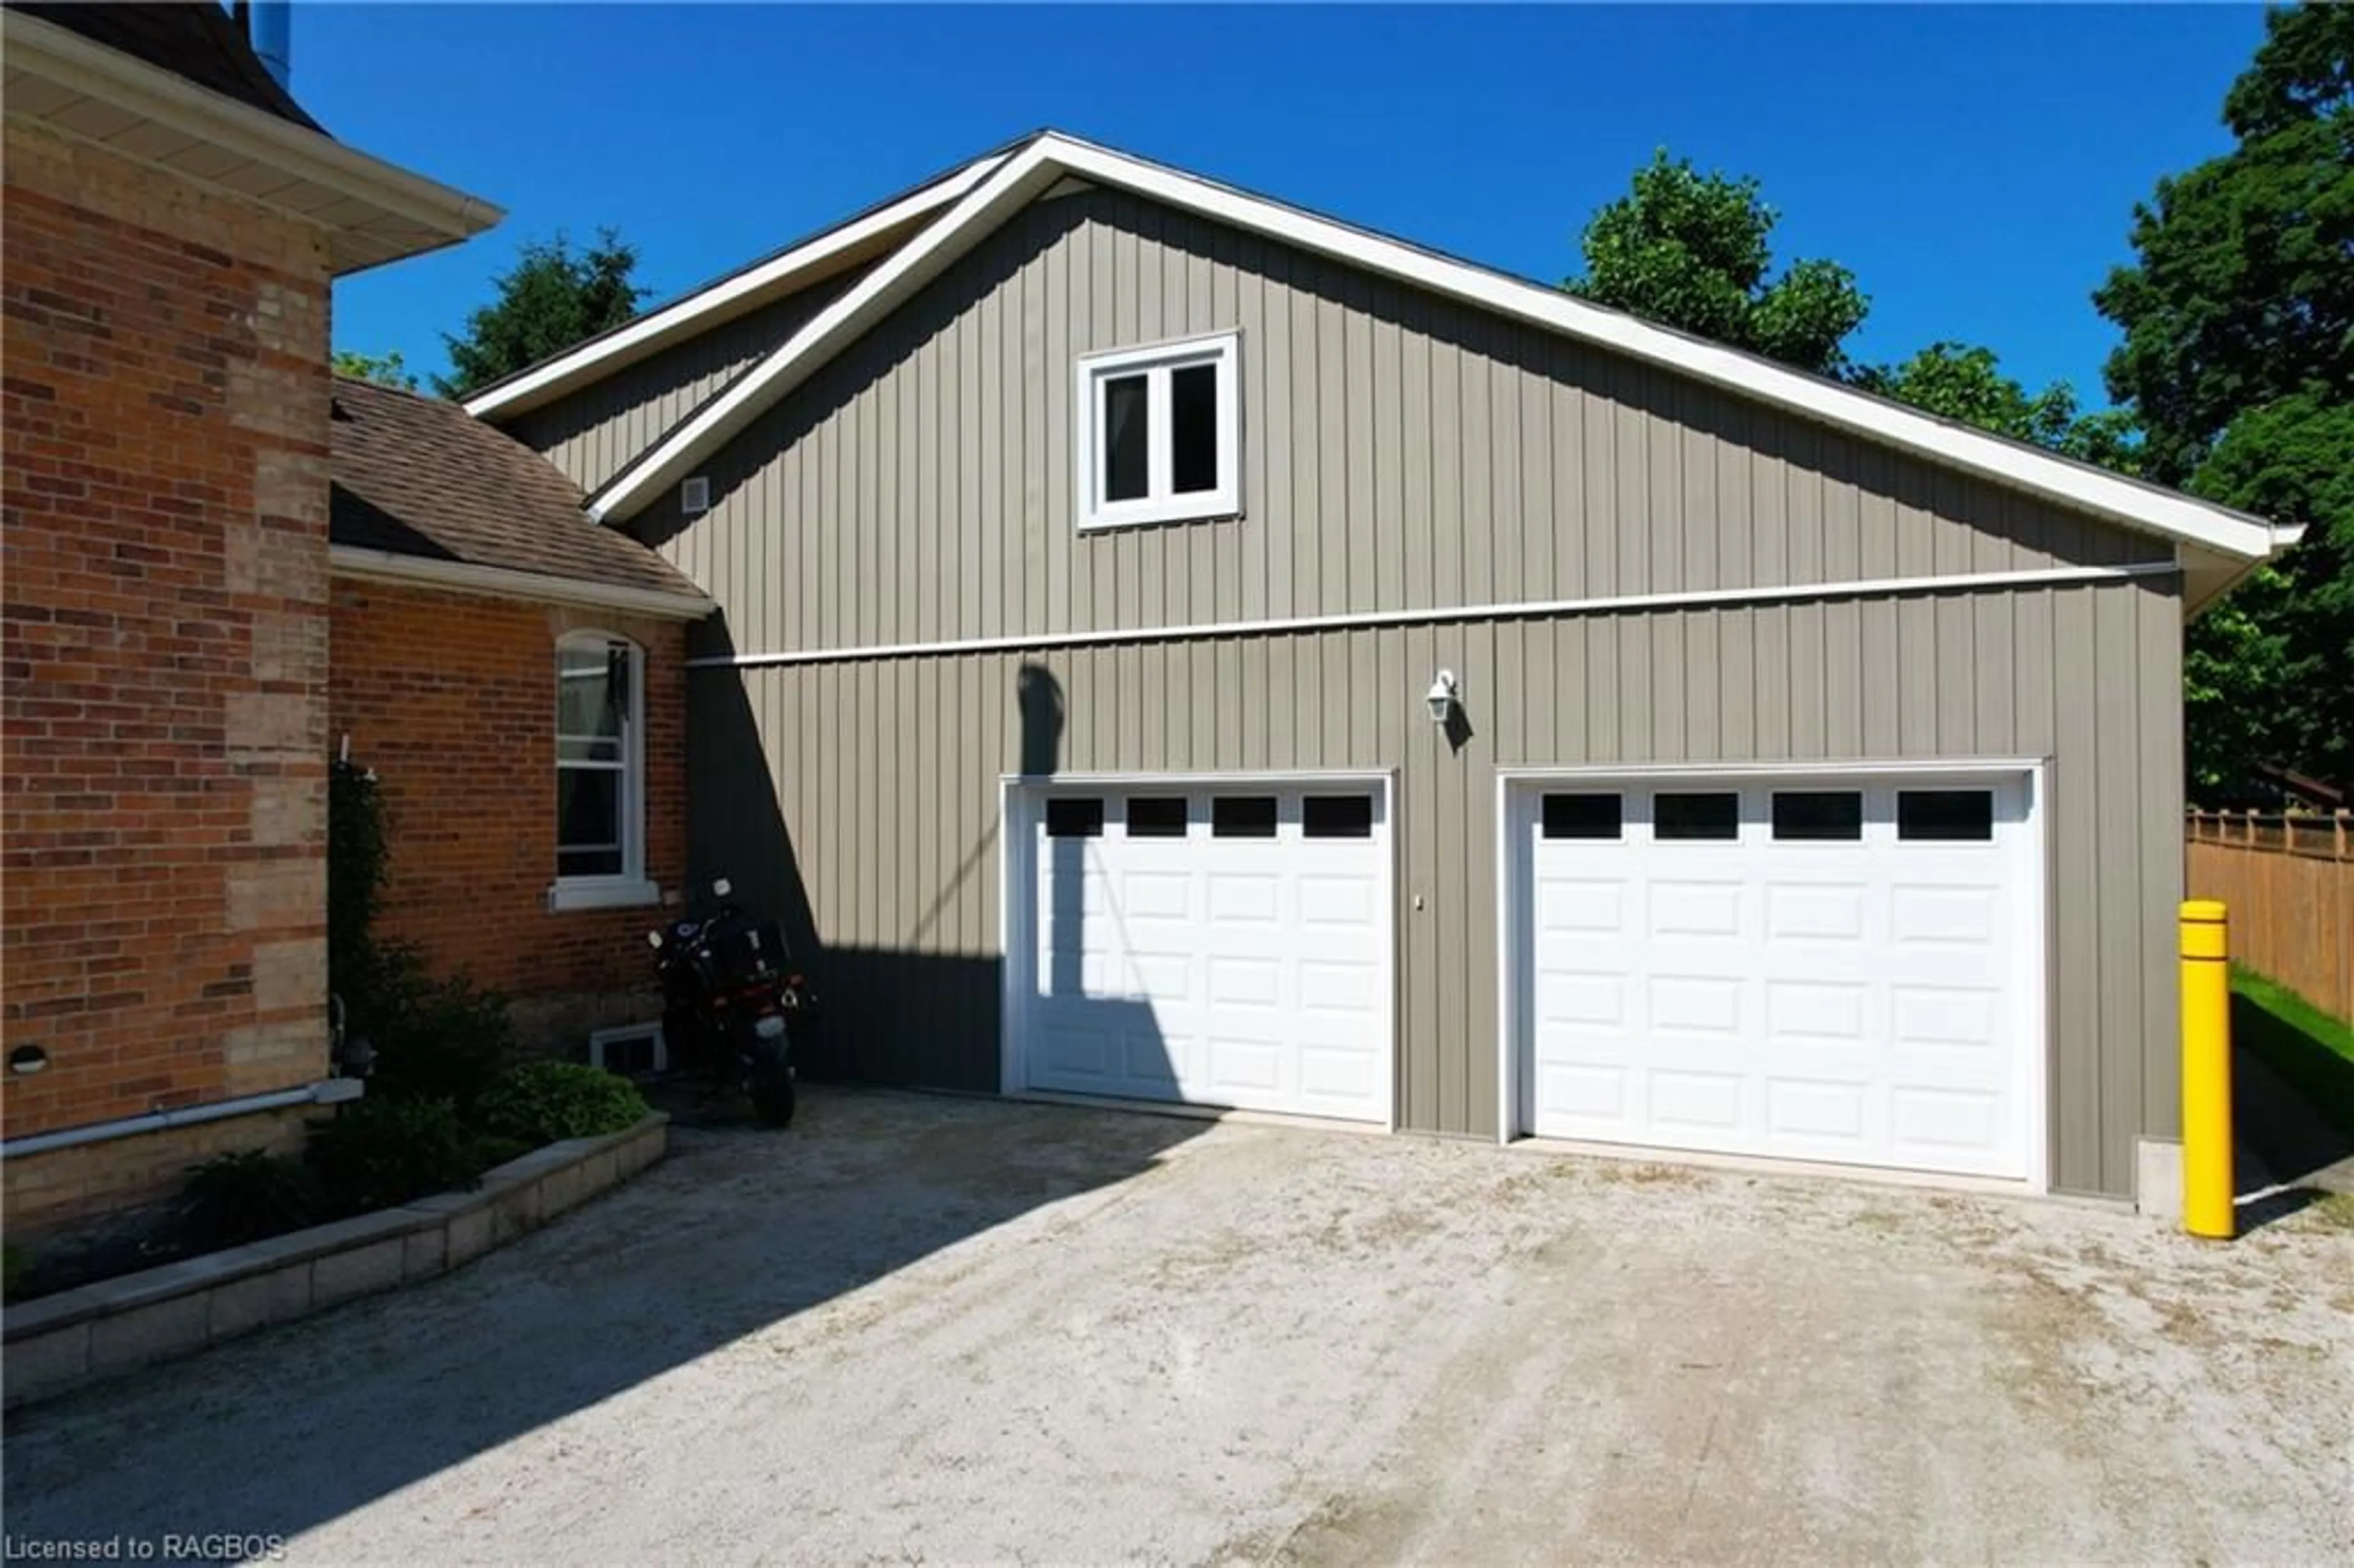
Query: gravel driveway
(919, 1328)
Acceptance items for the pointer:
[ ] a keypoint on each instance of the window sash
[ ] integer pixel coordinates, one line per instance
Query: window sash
(611, 749)
(1162, 502)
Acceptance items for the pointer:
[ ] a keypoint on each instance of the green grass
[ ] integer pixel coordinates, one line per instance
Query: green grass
(2313, 1052)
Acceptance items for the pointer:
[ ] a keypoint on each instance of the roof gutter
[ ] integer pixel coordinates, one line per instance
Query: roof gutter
(47, 51)
(501, 582)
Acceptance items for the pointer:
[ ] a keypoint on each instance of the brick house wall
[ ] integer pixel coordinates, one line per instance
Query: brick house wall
(163, 497)
(450, 698)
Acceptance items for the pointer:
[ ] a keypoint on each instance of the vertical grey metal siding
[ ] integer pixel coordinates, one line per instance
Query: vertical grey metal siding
(1399, 452)
(864, 796)
(592, 434)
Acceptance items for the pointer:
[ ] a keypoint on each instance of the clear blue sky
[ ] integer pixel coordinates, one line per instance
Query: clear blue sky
(1976, 167)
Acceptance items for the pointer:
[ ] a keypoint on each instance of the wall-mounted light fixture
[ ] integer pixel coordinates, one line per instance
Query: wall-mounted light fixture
(27, 1059)
(1442, 697)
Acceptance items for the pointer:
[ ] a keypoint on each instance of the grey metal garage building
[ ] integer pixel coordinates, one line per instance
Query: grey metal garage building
(1094, 542)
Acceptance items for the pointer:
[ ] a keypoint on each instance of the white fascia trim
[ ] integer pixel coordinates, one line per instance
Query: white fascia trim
(683, 317)
(1629, 604)
(2173, 515)
(65, 57)
(1011, 185)
(1053, 158)
(1785, 768)
(500, 582)
(1124, 779)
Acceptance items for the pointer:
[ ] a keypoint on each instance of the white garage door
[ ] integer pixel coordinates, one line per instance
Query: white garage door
(1837, 969)
(1224, 946)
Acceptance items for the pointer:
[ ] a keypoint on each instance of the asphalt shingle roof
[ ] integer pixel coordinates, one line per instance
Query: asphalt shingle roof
(417, 476)
(199, 42)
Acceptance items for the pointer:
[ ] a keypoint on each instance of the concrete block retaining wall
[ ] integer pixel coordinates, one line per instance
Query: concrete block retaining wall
(59, 1342)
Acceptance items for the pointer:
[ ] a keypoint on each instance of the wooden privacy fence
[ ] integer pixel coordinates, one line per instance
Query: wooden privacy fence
(2289, 883)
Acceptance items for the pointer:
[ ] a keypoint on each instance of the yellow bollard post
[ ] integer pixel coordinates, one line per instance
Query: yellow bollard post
(2206, 1071)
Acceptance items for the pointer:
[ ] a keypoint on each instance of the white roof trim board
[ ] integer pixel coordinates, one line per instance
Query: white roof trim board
(1051, 158)
(778, 276)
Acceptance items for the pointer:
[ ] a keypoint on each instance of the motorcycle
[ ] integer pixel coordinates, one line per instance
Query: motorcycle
(732, 1008)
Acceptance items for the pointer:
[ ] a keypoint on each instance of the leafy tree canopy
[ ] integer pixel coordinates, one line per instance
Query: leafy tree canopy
(2269, 672)
(387, 369)
(1693, 251)
(554, 296)
(1965, 384)
(2238, 361)
(2242, 286)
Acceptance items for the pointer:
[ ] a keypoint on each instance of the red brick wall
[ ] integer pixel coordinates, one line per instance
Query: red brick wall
(450, 698)
(163, 641)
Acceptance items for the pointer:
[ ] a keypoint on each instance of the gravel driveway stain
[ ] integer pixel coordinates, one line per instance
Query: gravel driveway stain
(917, 1329)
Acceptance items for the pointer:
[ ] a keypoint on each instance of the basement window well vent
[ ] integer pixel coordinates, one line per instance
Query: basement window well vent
(694, 496)
(633, 1050)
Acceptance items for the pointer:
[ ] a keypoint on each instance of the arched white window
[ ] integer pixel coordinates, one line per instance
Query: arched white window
(601, 788)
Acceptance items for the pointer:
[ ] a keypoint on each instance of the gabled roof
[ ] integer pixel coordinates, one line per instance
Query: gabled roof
(417, 481)
(830, 251)
(1039, 163)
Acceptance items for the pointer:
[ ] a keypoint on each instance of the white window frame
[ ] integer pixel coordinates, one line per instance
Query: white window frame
(629, 888)
(599, 1040)
(1160, 504)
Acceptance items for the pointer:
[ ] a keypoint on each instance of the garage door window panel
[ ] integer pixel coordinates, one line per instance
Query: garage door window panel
(1819, 816)
(1945, 816)
(1583, 816)
(1156, 816)
(1337, 817)
(1075, 817)
(1706, 816)
(1243, 817)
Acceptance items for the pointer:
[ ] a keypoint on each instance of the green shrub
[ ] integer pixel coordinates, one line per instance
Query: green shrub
(493, 1152)
(13, 1261)
(247, 1196)
(541, 1102)
(378, 1153)
(434, 1039)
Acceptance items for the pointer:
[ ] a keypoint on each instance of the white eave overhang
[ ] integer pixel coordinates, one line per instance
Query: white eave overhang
(836, 250)
(1051, 159)
(372, 211)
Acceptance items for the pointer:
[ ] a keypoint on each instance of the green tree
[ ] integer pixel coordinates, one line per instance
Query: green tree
(2238, 361)
(553, 297)
(1693, 251)
(2269, 672)
(1965, 382)
(387, 369)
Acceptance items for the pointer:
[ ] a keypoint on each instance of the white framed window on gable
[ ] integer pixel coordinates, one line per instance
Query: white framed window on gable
(601, 774)
(1159, 433)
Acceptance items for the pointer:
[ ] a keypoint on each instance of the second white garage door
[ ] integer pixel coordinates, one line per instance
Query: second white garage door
(1224, 945)
(1842, 969)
